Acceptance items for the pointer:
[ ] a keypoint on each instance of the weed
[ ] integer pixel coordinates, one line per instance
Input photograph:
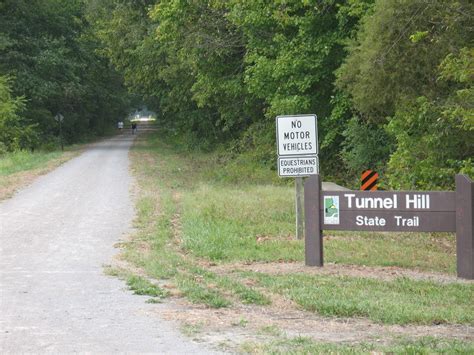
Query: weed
(272, 330)
(112, 271)
(153, 300)
(242, 322)
(141, 286)
(191, 329)
(199, 293)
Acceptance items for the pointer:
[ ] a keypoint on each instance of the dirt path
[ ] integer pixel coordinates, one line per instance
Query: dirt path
(55, 237)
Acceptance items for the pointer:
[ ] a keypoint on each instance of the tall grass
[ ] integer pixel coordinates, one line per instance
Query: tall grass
(14, 162)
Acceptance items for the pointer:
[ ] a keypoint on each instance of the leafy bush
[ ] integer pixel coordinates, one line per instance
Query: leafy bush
(434, 137)
(366, 146)
(15, 132)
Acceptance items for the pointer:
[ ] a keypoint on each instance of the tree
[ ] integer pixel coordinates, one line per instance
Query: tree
(15, 133)
(393, 81)
(46, 46)
(434, 137)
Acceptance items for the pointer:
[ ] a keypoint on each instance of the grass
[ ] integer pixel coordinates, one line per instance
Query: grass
(400, 301)
(25, 160)
(420, 251)
(141, 286)
(256, 223)
(191, 329)
(305, 345)
(225, 220)
(18, 169)
(193, 213)
(198, 292)
(165, 260)
(223, 223)
(242, 322)
(272, 330)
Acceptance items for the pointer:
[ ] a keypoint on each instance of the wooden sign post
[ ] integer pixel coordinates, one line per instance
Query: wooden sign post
(297, 145)
(401, 211)
(464, 228)
(60, 118)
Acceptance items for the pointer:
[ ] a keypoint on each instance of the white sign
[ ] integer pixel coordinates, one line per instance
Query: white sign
(331, 209)
(298, 166)
(297, 135)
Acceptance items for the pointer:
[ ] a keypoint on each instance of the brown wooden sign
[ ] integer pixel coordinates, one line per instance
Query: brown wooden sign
(410, 211)
(403, 211)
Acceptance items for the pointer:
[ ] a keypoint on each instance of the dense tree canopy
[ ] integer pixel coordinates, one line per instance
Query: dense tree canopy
(390, 80)
(409, 76)
(50, 53)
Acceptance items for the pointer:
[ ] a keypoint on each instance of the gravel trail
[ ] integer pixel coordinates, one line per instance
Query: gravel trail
(55, 237)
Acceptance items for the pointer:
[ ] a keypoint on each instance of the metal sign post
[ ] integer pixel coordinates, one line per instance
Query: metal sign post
(299, 207)
(385, 211)
(60, 118)
(297, 141)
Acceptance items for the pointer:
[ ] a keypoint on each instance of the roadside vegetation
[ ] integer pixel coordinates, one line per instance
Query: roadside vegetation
(50, 63)
(225, 243)
(24, 160)
(390, 80)
(304, 345)
(19, 168)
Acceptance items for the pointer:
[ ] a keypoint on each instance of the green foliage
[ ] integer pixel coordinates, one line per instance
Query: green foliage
(15, 133)
(49, 50)
(430, 150)
(410, 72)
(385, 67)
(458, 70)
(434, 138)
(221, 70)
(390, 80)
(292, 51)
(365, 147)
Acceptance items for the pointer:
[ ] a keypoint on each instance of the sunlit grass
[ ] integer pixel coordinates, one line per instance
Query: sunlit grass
(193, 213)
(398, 301)
(306, 345)
(22, 160)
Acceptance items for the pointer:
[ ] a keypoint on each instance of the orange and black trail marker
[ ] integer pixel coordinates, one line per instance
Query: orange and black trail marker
(369, 180)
